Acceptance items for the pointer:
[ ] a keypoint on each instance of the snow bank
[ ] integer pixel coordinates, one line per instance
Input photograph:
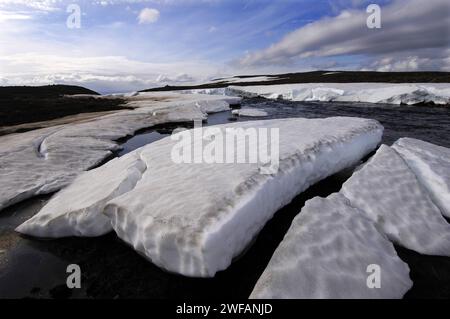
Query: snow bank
(250, 112)
(431, 164)
(388, 192)
(437, 93)
(326, 254)
(193, 219)
(45, 160)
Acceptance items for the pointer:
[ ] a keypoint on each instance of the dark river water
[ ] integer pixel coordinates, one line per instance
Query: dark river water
(31, 268)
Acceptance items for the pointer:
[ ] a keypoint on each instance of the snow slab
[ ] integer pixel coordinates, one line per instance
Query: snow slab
(389, 93)
(431, 164)
(388, 193)
(326, 254)
(250, 112)
(193, 219)
(77, 210)
(45, 160)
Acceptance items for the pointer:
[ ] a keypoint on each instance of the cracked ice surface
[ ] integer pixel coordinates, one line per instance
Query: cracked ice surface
(45, 160)
(390, 194)
(437, 93)
(326, 254)
(78, 211)
(431, 164)
(193, 219)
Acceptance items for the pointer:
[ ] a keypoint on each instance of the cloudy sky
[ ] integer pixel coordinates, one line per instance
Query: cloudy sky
(125, 45)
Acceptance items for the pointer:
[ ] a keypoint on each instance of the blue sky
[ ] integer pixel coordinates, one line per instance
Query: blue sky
(187, 41)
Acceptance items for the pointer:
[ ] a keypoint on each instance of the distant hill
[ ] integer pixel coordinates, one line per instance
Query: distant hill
(320, 77)
(45, 91)
(28, 104)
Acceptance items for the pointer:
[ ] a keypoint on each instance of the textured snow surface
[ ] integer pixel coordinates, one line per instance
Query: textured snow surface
(45, 160)
(389, 193)
(193, 219)
(438, 93)
(431, 164)
(250, 112)
(77, 210)
(326, 254)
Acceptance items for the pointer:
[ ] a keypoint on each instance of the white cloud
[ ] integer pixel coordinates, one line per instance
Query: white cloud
(148, 15)
(43, 5)
(101, 73)
(6, 16)
(410, 26)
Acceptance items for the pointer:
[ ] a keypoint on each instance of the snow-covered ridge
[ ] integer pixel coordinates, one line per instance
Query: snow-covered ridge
(193, 219)
(44, 160)
(389, 93)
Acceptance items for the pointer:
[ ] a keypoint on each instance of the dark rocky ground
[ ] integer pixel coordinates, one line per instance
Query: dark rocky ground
(323, 77)
(25, 104)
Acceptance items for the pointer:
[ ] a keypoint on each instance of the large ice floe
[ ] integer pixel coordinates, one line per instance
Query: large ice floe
(389, 93)
(328, 252)
(44, 160)
(390, 194)
(193, 219)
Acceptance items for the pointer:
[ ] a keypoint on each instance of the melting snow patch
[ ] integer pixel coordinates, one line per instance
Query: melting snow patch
(327, 253)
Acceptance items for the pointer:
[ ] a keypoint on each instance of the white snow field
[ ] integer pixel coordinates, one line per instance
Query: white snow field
(390, 194)
(327, 253)
(437, 93)
(44, 160)
(250, 112)
(431, 164)
(193, 219)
